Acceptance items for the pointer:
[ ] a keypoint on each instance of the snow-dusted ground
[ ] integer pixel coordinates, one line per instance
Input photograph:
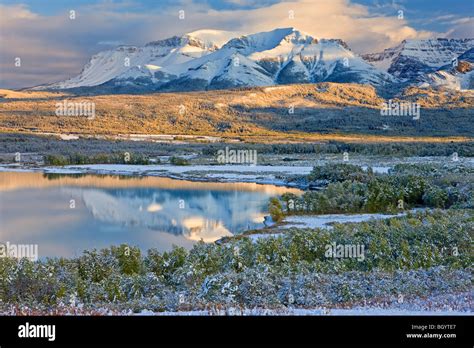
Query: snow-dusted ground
(323, 221)
(19, 168)
(125, 168)
(229, 173)
(320, 221)
(442, 304)
(14, 167)
(306, 312)
(378, 169)
(259, 174)
(256, 236)
(446, 304)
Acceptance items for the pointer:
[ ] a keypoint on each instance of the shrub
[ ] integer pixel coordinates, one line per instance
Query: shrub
(275, 210)
(78, 158)
(339, 172)
(164, 265)
(178, 161)
(383, 196)
(129, 259)
(56, 160)
(435, 197)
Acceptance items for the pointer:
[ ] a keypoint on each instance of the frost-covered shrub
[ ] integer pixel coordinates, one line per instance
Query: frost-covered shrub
(275, 209)
(383, 196)
(164, 265)
(205, 259)
(349, 189)
(129, 259)
(24, 280)
(257, 287)
(435, 197)
(179, 161)
(339, 172)
(97, 265)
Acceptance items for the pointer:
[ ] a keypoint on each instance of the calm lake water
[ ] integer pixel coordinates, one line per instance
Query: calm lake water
(66, 214)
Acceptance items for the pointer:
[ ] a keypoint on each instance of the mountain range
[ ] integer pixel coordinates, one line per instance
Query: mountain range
(212, 59)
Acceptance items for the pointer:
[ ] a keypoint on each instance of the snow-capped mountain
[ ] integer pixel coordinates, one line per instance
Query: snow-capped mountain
(414, 58)
(131, 62)
(280, 56)
(201, 60)
(212, 59)
(458, 75)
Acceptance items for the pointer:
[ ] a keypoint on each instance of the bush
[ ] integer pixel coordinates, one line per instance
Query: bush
(166, 264)
(275, 210)
(435, 197)
(178, 161)
(129, 259)
(405, 187)
(339, 172)
(56, 160)
(383, 196)
(78, 158)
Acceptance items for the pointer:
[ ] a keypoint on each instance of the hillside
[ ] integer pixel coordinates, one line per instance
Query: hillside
(305, 109)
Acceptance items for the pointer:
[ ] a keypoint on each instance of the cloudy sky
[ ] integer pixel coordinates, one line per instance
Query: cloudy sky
(53, 47)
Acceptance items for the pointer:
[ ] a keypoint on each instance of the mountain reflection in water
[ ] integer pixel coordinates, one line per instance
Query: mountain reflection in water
(66, 214)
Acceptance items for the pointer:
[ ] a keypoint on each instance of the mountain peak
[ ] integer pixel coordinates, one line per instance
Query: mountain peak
(208, 39)
(268, 40)
(212, 37)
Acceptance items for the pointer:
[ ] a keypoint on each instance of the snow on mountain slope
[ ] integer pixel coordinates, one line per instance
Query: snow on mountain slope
(212, 37)
(458, 76)
(232, 65)
(413, 58)
(277, 57)
(280, 40)
(226, 69)
(450, 80)
(101, 68)
(126, 62)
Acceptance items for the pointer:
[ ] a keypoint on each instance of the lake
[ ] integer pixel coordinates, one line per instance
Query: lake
(66, 214)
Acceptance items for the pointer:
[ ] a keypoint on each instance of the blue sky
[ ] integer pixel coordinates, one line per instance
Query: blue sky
(419, 11)
(54, 6)
(54, 48)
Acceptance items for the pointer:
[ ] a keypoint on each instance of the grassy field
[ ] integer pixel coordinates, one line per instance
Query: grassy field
(313, 112)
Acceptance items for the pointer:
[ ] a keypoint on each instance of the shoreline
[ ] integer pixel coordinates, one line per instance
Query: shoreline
(259, 174)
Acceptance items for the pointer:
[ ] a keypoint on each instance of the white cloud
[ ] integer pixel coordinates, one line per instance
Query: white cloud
(13, 12)
(463, 28)
(330, 19)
